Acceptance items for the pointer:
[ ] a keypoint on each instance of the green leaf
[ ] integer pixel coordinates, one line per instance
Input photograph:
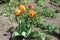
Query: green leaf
(15, 33)
(0, 12)
(40, 2)
(57, 30)
(24, 34)
(57, 10)
(29, 31)
(39, 35)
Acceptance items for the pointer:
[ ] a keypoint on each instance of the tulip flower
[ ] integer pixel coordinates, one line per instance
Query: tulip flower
(31, 13)
(17, 11)
(29, 6)
(22, 7)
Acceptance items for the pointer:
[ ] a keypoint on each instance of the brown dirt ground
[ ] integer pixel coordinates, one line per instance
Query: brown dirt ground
(5, 24)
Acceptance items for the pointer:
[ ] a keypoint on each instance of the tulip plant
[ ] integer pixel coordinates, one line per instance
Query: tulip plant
(39, 2)
(4, 1)
(47, 12)
(55, 1)
(49, 28)
(57, 10)
(26, 18)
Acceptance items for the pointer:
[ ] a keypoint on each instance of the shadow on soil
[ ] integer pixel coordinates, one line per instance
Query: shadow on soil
(55, 35)
(10, 31)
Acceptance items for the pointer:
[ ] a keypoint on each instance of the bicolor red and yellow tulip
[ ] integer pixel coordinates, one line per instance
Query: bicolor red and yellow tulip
(31, 13)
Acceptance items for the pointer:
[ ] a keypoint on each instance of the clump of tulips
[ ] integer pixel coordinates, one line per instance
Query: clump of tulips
(26, 18)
